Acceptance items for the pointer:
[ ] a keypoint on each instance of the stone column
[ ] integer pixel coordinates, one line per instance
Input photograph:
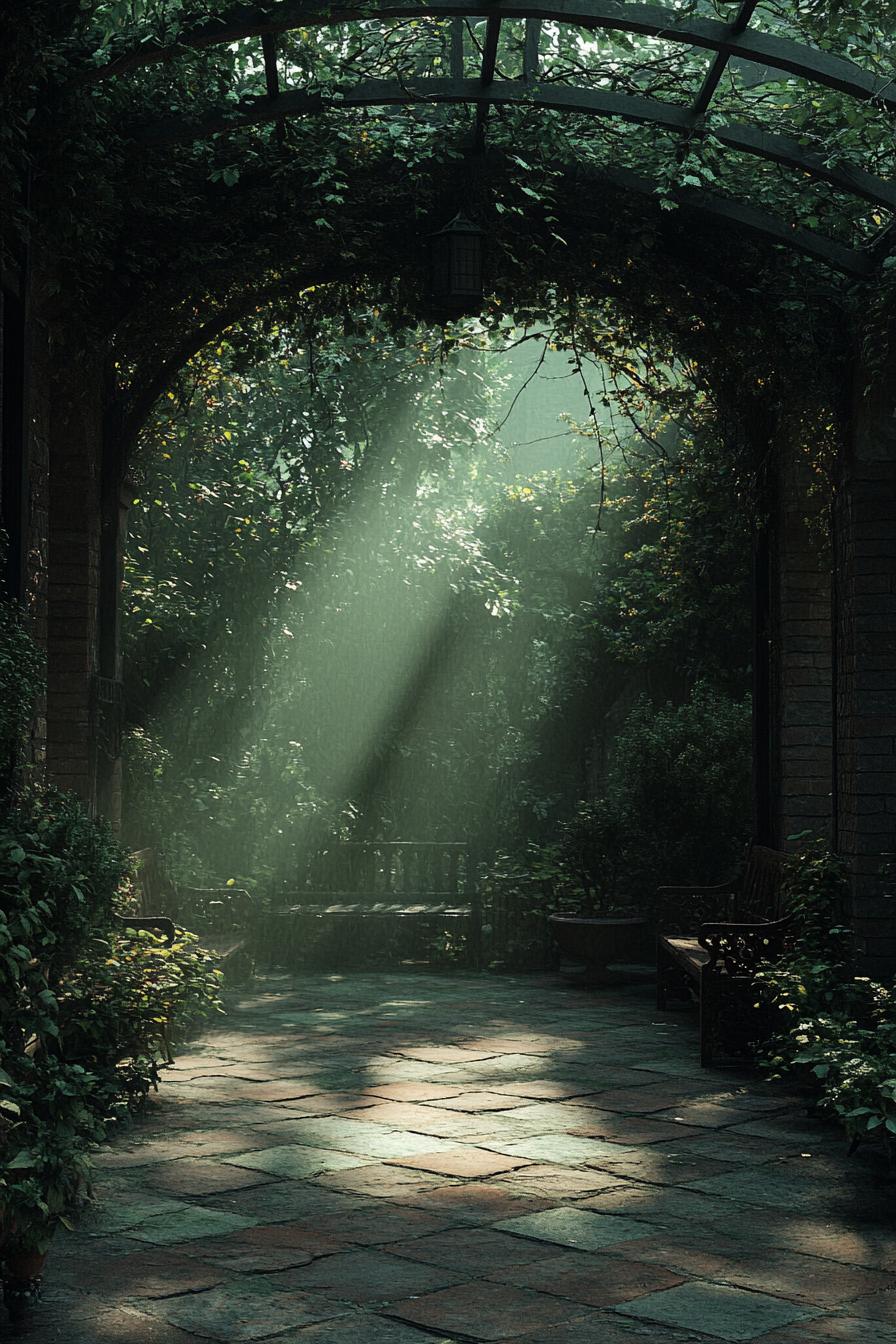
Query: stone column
(866, 670)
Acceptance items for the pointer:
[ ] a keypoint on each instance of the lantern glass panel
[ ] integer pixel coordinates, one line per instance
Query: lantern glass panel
(466, 265)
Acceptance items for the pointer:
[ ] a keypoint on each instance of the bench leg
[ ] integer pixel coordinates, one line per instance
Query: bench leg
(662, 975)
(709, 1014)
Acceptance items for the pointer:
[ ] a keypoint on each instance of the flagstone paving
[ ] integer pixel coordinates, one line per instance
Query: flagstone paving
(422, 1159)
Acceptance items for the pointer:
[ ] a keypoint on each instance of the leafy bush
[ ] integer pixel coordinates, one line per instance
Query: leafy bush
(675, 809)
(679, 792)
(124, 1004)
(21, 673)
(837, 1027)
(87, 1012)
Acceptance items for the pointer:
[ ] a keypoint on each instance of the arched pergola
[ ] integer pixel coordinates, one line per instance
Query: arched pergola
(767, 125)
(746, 37)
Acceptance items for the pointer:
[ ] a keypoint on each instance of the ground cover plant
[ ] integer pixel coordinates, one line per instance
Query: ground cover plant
(829, 1024)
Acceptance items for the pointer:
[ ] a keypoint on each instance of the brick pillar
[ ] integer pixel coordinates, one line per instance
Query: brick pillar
(866, 671)
(801, 654)
(75, 442)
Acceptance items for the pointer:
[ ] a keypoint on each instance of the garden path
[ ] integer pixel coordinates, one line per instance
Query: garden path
(403, 1159)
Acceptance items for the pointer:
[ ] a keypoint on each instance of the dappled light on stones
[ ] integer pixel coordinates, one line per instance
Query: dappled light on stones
(218, 1232)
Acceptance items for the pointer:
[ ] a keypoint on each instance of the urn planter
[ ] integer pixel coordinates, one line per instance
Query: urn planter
(599, 940)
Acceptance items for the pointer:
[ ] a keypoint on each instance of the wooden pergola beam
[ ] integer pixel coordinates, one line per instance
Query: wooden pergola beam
(763, 225)
(809, 63)
(487, 76)
(720, 64)
(272, 79)
(590, 102)
(531, 48)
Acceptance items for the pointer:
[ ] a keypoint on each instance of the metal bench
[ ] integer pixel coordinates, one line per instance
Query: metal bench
(711, 941)
(424, 882)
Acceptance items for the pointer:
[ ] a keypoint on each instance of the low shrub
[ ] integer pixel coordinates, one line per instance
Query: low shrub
(87, 1011)
(829, 1024)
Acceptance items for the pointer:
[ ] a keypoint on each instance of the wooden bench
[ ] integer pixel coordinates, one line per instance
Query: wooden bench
(427, 882)
(711, 941)
(221, 916)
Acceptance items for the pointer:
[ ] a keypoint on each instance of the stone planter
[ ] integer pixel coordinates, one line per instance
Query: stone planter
(599, 940)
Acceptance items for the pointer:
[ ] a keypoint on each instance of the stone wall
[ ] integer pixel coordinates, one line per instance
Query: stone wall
(76, 423)
(802, 731)
(866, 673)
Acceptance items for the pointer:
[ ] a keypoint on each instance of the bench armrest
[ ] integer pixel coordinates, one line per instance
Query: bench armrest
(215, 909)
(739, 948)
(684, 909)
(159, 924)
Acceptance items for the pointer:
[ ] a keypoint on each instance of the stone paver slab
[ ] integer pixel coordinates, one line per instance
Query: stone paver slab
(447, 1054)
(560, 1148)
(125, 1212)
(283, 1202)
(579, 1228)
(834, 1330)
(544, 1089)
(879, 1306)
(559, 1184)
(475, 1102)
(118, 1325)
(412, 1092)
(216, 1142)
(140, 1273)
(600, 1327)
(663, 1204)
(187, 1225)
(365, 1277)
(379, 1225)
(463, 1162)
(375, 1330)
(594, 1280)
(477, 1201)
(195, 1176)
(242, 1311)
(296, 1160)
(348, 1135)
(726, 1313)
(493, 1311)
(474, 1249)
(420, 1120)
(334, 1103)
(381, 1181)
(765, 1185)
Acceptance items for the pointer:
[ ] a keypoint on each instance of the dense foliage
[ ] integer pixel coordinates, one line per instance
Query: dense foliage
(829, 1024)
(87, 1011)
(347, 613)
(21, 680)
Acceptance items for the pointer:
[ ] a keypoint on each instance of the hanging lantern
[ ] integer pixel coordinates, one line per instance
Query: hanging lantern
(457, 266)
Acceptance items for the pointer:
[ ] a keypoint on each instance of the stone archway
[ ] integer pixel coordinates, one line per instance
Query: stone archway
(825, 741)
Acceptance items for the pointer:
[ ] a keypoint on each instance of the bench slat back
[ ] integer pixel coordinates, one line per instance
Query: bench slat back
(760, 893)
(155, 893)
(399, 870)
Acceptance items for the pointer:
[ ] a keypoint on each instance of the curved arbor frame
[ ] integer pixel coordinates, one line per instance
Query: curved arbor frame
(689, 121)
(827, 715)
